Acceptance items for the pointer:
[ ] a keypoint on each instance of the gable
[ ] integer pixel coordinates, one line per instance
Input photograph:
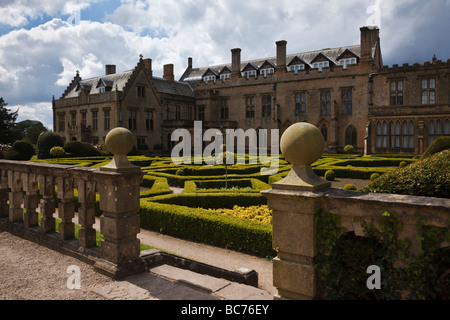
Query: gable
(347, 54)
(250, 67)
(267, 65)
(321, 58)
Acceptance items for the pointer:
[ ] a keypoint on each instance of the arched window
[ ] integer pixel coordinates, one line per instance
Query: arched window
(405, 135)
(351, 136)
(324, 130)
(446, 127)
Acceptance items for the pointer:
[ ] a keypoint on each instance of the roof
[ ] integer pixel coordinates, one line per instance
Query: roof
(176, 88)
(332, 54)
(116, 81)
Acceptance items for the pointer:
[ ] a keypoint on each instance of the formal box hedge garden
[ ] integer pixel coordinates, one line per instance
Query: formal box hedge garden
(198, 213)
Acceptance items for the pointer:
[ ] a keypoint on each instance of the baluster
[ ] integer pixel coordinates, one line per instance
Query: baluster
(31, 200)
(47, 203)
(4, 194)
(66, 208)
(15, 197)
(86, 213)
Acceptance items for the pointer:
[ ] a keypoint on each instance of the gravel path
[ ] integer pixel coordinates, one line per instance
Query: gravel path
(32, 272)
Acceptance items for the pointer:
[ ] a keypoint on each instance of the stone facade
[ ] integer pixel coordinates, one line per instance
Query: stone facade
(134, 99)
(346, 92)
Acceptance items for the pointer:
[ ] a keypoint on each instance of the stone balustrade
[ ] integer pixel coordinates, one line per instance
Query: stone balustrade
(296, 200)
(27, 191)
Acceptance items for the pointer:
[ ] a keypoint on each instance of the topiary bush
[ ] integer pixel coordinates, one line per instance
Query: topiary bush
(82, 149)
(438, 145)
(428, 177)
(402, 164)
(46, 141)
(374, 176)
(350, 187)
(330, 175)
(20, 150)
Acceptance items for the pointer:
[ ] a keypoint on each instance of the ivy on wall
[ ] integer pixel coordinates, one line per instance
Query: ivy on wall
(343, 258)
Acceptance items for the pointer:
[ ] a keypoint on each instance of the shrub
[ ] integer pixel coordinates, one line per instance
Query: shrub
(20, 150)
(330, 175)
(374, 176)
(82, 149)
(180, 172)
(428, 177)
(348, 149)
(438, 145)
(350, 187)
(46, 141)
(202, 225)
(402, 164)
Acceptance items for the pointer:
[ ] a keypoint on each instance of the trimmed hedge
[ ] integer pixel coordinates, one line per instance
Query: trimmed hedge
(250, 185)
(440, 144)
(217, 200)
(428, 177)
(201, 225)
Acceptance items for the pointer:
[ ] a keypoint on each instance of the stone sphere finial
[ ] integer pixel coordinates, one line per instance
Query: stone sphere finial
(302, 144)
(119, 141)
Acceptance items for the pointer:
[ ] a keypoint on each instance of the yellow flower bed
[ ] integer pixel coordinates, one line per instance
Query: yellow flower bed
(260, 213)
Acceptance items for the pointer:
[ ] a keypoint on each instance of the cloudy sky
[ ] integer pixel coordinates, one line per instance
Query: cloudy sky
(43, 43)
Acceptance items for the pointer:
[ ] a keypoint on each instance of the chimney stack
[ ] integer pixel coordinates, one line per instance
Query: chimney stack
(110, 69)
(236, 62)
(168, 73)
(190, 62)
(148, 66)
(281, 54)
(369, 37)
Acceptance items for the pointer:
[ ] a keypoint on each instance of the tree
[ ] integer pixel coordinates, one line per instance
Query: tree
(29, 130)
(8, 133)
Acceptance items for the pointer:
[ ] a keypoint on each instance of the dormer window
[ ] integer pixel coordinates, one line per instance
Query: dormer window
(209, 78)
(321, 64)
(297, 67)
(267, 71)
(101, 89)
(225, 76)
(345, 62)
(250, 73)
(250, 70)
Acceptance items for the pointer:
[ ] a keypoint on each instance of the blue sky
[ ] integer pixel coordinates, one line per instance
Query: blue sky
(43, 43)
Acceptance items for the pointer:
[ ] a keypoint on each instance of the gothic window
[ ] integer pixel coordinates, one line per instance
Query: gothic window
(325, 103)
(429, 91)
(324, 130)
(351, 136)
(347, 101)
(396, 89)
(266, 105)
(300, 104)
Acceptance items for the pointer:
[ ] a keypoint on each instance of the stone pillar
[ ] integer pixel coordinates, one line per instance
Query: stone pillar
(31, 200)
(66, 208)
(118, 184)
(294, 226)
(4, 195)
(15, 197)
(47, 203)
(86, 213)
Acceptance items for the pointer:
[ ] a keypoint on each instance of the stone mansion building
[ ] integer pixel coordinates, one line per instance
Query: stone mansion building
(346, 92)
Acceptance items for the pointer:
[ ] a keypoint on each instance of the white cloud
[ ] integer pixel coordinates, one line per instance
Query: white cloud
(38, 63)
(17, 13)
(40, 111)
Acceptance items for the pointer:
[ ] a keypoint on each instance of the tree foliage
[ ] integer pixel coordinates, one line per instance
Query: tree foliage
(8, 133)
